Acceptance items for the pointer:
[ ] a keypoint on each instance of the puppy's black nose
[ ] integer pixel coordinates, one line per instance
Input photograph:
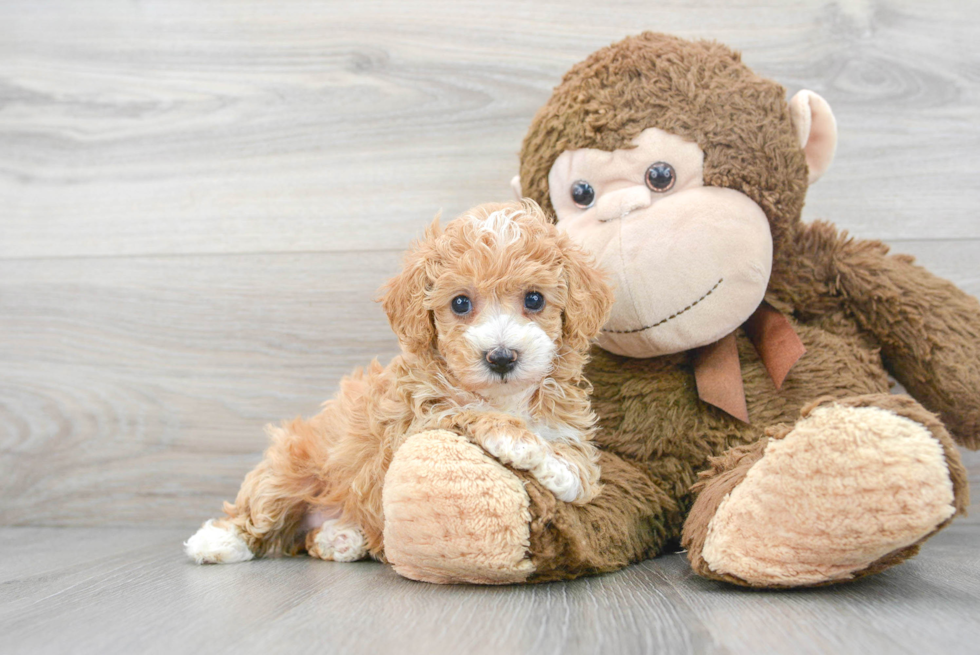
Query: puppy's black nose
(501, 360)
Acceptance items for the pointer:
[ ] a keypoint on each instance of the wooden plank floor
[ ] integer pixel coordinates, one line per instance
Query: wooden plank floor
(197, 204)
(198, 201)
(126, 590)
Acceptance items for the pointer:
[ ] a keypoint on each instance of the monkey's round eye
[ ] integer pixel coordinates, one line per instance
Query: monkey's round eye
(583, 195)
(660, 177)
(533, 301)
(461, 305)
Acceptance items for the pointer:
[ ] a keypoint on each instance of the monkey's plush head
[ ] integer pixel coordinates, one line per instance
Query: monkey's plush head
(682, 171)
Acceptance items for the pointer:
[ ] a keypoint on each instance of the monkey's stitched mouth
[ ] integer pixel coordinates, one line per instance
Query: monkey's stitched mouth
(672, 316)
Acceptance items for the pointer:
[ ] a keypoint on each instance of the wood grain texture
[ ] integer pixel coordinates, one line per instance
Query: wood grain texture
(135, 390)
(88, 590)
(166, 127)
(198, 201)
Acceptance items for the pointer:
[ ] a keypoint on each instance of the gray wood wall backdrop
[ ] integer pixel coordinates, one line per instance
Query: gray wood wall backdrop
(199, 200)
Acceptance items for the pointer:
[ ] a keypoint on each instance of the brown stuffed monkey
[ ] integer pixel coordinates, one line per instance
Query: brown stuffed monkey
(742, 381)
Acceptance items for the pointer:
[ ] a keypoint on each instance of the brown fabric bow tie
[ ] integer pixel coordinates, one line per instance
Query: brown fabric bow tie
(717, 370)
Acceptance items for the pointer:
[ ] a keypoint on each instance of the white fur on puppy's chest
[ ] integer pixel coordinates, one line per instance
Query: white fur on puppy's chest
(553, 432)
(498, 329)
(517, 406)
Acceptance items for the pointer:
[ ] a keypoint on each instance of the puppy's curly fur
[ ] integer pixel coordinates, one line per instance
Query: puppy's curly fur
(479, 357)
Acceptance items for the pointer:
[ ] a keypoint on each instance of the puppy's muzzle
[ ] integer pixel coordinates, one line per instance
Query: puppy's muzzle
(501, 360)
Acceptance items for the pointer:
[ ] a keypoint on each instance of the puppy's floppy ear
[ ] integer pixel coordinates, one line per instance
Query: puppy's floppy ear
(403, 296)
(590, 298)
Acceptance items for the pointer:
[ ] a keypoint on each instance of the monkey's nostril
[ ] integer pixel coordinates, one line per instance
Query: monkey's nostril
(501, 360)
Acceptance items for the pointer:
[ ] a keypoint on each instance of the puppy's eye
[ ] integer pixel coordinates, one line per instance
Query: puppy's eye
(660, 177)
(533, 301)
(461, 305)
(583, 195)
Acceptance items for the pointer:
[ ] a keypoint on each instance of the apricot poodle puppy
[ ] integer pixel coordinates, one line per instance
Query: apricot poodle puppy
(495, 315)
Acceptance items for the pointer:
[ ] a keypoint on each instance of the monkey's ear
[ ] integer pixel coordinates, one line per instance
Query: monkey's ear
(515, 184)
(816, 131)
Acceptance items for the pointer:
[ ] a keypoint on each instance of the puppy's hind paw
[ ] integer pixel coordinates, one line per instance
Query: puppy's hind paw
(337, 542)
(217, 544)
(560, 478)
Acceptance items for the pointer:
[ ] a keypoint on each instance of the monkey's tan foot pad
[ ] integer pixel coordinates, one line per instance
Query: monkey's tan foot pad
(849, 490)
(453, 514)
(337, 541)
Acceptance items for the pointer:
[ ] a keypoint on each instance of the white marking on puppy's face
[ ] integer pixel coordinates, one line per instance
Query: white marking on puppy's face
(554, 432)
(497, 296)
(533, 350)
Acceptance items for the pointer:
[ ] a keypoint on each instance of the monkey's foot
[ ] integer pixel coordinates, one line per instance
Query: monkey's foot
(453, 514)
(853, 488)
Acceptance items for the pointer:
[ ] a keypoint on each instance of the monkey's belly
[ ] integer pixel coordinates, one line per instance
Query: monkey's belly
(649, 408)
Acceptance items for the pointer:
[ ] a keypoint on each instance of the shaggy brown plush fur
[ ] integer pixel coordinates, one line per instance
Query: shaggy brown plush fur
(700, 91)
(860, 312)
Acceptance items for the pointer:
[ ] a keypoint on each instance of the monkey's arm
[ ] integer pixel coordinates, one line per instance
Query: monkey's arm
(929, 330)
(453, 514)
(629, 521)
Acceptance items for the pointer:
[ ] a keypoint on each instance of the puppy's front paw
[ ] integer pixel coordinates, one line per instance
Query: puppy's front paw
(337, 542)
(522, 451)
(561, 478)
(217, 544)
